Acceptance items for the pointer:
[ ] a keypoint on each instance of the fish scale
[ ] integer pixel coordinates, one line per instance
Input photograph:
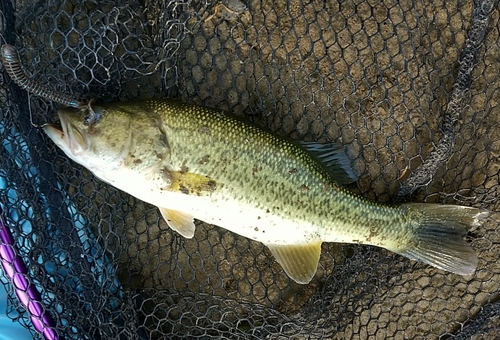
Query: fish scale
(196, 162)
(247, 159)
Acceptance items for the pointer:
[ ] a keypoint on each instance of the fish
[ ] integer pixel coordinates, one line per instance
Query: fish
(194, 162)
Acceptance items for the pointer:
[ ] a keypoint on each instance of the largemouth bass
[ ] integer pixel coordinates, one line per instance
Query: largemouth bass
(195, 162)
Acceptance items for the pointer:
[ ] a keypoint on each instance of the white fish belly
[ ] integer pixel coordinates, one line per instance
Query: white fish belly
(243, 219)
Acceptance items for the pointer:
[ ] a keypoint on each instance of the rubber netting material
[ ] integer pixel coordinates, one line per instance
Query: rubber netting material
(381, 77)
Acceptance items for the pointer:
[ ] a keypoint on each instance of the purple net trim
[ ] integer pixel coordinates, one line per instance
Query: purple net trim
(28, 295)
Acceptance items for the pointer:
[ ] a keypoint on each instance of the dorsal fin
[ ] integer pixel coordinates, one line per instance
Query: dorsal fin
(334, 159)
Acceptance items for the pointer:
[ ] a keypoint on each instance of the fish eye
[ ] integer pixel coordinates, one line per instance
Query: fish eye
(88, 119)
(92, 117)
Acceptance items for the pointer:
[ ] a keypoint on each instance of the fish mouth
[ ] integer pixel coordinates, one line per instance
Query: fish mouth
(53, 128)
(66, 136)
(56, 133)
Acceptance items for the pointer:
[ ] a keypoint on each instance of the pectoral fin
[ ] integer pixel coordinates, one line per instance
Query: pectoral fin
(300, 262)
(181, 222)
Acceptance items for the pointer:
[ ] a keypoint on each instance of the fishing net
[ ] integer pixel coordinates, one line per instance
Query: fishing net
(411, 88)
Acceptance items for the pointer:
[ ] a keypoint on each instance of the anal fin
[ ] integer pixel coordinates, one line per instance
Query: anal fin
(179, 221)
(300, 262)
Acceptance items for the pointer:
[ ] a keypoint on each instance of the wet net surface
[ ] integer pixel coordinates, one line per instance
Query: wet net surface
(376, 76)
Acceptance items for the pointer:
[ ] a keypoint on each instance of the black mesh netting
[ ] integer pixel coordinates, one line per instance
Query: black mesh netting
(381, 77)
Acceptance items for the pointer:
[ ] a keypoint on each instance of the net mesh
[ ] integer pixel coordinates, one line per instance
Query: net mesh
(385, 78)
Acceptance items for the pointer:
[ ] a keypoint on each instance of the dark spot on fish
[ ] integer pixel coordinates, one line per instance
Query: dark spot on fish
(113, 144)
(256, 229)
(211, 185)
(304, 187)
(204, 160)
(267, 211)
(184, 168)
(167, 176)
(183, 189)
(258, 217)
(200, 188)
(373, 233)
(159, 156)
(293, 171)
(137, 161)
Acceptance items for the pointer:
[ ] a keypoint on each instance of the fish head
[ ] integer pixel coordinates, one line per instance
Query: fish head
(94, 136)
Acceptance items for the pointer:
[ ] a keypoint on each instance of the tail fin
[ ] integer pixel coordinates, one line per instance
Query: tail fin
(438, 231)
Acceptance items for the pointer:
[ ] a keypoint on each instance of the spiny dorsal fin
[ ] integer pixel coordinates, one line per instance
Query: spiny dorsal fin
(335, 160)
(181, 222)
(300, 262)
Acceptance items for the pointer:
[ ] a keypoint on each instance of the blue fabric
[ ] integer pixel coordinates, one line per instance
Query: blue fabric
(10, 330)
